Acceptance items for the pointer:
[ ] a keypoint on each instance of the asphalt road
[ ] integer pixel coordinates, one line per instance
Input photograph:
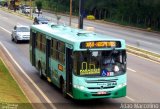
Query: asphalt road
(143, 75)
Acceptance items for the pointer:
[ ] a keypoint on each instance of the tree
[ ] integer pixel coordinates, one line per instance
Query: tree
(144, 13)
(39, 5)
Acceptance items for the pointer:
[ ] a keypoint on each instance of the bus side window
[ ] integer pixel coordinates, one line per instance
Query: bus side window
(54, 46)
(38, 41)
(60, 52)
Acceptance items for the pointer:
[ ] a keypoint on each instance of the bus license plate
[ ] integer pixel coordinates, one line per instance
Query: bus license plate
(101, 93)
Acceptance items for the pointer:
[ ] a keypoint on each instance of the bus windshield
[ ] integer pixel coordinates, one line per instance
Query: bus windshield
(100, 63)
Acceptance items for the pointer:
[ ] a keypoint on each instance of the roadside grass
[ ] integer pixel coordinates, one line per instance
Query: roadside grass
(10, 92)
(17, 13)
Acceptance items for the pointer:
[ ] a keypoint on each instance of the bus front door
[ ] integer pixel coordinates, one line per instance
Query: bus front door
(69, 66)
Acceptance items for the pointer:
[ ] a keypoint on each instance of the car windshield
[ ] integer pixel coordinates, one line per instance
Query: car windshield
(100, 63)
(23, 29)
(42, 19)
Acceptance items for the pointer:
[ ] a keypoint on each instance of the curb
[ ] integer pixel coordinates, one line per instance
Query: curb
(144, 53)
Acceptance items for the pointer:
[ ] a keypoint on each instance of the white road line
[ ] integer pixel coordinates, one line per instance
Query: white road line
(5, 30)
(25, 74)
(131, 69)
(141, 41)
(145, 58)
(130, 98)
(143, 49)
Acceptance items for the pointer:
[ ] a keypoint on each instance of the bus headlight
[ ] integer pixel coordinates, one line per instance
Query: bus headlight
(79, 87)
(121, 85)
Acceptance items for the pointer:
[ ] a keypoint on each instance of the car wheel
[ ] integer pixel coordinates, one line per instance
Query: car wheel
(12, 37)
(16, 40)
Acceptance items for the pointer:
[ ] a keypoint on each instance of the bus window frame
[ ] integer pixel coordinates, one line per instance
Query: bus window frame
(57, 52)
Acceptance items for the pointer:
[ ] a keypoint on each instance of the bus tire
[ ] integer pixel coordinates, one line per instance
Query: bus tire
(63, 88)
(12, 38)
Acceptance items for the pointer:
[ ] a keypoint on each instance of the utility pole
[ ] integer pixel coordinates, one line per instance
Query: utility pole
(81, 5)
(70, 18)
(31, 8)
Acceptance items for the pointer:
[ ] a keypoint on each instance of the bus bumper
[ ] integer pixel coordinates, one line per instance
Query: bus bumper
(79, 94)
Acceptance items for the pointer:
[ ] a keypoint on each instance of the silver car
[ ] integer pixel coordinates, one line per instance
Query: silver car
(20, 32)
(26, 10)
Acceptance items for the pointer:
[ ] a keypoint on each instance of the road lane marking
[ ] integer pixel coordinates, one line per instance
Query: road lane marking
(25, 74)
(142, 49)
(131, 69)
(144, 58)
(5, 30)
(141, 41)
(130, 98)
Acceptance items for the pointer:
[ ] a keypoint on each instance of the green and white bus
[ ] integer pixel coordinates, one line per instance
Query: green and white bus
(85, 65)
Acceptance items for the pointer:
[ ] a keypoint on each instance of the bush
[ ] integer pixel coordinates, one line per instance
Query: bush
(90, 17)
(149, 29)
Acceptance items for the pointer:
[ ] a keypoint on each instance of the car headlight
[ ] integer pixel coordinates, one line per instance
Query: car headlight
(79, 87)
(121, 85)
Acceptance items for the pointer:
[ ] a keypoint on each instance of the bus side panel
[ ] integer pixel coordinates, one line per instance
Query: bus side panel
(54, 72)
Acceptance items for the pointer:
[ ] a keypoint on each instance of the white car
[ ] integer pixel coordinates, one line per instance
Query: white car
(26, 10)
(36, 11)
(20, 33)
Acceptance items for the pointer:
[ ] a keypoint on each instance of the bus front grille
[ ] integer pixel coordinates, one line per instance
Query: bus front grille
(100, 81)
(100, 87)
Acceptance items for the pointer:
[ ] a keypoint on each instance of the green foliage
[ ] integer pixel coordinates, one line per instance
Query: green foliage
(39, 4)
(143, 13)
(9, 90)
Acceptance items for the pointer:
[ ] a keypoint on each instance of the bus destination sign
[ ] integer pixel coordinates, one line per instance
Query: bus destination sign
(100, 44)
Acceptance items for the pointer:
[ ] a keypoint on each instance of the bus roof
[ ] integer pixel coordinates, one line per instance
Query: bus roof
(72, 36)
